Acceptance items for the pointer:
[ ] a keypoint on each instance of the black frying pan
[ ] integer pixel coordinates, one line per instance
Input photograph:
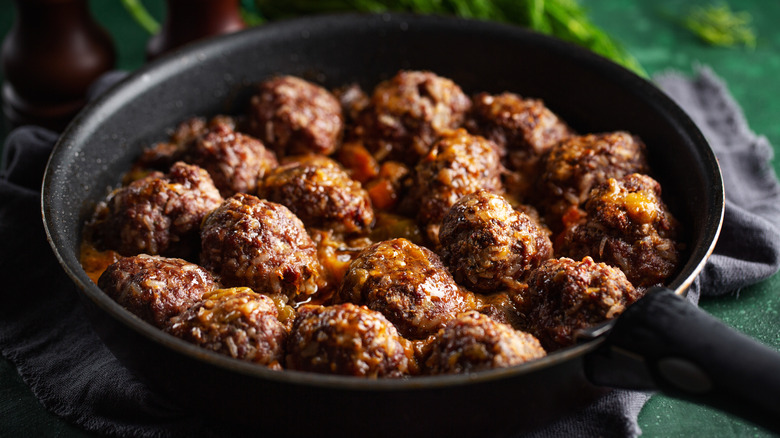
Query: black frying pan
(654, 345)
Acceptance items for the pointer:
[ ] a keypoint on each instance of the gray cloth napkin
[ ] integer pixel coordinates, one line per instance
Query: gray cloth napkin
(44, 331)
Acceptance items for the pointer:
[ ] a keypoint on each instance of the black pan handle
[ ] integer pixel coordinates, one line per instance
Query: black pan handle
(663, 342)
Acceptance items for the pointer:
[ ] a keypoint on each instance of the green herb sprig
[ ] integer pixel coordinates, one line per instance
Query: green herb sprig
(718, 25)
(565, 19)
(141, 15)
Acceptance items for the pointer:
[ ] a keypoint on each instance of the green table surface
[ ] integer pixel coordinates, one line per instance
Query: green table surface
(651, 31)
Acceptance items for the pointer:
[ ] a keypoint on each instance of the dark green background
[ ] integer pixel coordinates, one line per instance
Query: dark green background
(651, 31)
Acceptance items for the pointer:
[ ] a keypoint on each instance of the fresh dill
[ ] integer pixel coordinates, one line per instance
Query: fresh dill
(565, 19)
(718, 25)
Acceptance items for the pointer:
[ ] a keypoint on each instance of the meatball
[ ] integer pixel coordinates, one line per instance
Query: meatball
(294, 116)
(157, 214)
(627, 225)
(564, 296)
(321, 194)
(408, 112)
(236, 162)
(236, 322)
(155, 288)
(475, 342)
(262, 245)
(522, 129)
(488, 245)
(577, 164)
(346, 339)
(162, 155)
(408, 284)
(458, 164)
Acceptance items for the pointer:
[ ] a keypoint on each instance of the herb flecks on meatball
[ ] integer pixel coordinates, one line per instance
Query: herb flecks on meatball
(294, 116)
(458, 164)
(349, 340)
(262, 245)
(236, 322)
(627, 225)
(488, 245)
(408, 112)
(408, 284)
(474, 342)
(564, 296)
(577, 164)
(321, 194)
(157, 214)
(155, 288)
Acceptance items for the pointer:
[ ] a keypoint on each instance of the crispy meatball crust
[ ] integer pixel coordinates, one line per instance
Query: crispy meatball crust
(488, 246)
(577, 164)
(158, 214)
(346, 339)
(627, 225)
(408, 112)
(294, 116)
(321, 194)
(155, 288)
(406, 283)
(564, 295)
(475, 342)
(236, 322)
(235, 161)
(259, 244)
(458, 164)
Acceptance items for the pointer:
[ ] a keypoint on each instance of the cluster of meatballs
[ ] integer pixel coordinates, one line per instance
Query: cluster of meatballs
(411, 231)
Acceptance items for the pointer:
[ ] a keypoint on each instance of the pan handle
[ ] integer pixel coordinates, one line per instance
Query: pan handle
(662, 342)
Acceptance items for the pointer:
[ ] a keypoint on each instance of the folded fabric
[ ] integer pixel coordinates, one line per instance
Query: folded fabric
(45, 332)
(748, 249)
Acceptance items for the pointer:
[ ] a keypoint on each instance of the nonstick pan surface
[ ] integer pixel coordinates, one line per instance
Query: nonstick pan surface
(215, 77)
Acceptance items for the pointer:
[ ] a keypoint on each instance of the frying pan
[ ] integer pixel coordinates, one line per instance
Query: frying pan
(659, 343)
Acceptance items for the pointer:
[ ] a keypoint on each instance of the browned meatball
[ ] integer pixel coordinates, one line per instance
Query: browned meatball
(236, 322)
(516, 124)
(262, 245)
(458, 164)
(576, 165)
(346, 339)
(321, 194)
(627, 225)
(408, 284)
(488, 246)
(158, 214)
(294, 116)
(155, 288)
(162, 155)
(475, 342)
(408, 112)
(236, 162)
(564, 295)
(523, 130)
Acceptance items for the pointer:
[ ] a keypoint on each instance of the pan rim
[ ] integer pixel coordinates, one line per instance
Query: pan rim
(91, 115)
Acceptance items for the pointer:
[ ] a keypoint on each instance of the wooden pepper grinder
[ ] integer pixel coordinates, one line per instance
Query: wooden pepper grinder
(189, 20)
(52, 54)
